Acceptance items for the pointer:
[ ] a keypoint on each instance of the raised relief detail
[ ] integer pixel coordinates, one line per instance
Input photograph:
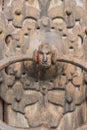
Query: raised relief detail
(43, 67)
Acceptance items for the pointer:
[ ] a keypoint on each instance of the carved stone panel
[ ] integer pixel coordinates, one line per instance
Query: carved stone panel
(43, 64)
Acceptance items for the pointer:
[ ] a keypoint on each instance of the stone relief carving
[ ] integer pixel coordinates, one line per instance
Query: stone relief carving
(43, 62)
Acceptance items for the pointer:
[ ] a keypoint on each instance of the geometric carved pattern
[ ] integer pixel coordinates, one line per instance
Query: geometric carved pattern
(44, 90)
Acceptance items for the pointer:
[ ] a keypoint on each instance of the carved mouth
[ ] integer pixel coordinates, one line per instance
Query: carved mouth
(45, 65)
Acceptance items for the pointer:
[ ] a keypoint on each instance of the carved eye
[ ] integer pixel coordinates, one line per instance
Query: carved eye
(48, 53)
(40, 52)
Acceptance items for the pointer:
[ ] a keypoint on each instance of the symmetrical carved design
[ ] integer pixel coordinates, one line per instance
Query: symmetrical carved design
(43, 67)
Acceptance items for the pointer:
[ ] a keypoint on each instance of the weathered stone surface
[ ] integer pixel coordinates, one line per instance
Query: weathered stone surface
(43, 64)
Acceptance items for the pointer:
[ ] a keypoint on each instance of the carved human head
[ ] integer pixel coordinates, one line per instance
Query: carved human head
(45, 56)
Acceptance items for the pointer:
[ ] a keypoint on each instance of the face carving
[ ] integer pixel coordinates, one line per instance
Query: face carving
(45, 56)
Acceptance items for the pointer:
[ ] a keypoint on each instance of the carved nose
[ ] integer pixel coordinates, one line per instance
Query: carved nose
(44, 58)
